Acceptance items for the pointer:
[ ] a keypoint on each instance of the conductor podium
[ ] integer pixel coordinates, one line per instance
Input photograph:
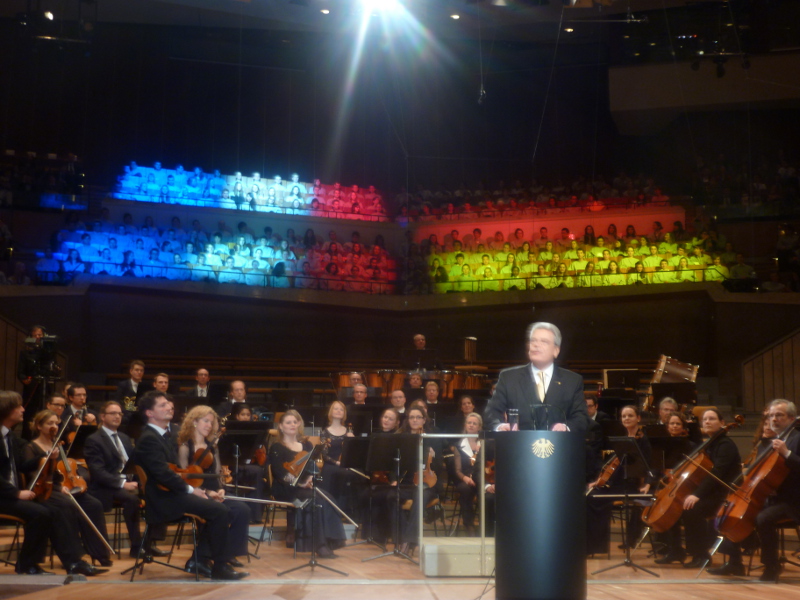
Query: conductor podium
(540, 506)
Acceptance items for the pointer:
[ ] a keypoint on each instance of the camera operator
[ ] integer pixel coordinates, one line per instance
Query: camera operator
(36, 365)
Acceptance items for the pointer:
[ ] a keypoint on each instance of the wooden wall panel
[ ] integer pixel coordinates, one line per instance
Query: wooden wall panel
(774, 373)
(748, 391)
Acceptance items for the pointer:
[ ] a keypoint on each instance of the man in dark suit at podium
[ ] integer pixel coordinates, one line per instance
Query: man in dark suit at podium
(545, 396)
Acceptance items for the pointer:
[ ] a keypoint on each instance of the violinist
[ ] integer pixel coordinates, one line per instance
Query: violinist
(108, 454)
(44, 519)
(784, 505)
(599, 509)
(196, 446)
(465, 457)
(44, 429)
(328, 527)
(77, 413)
(57, 404)
(168, 496)
(334, 477)
(417, 422)
(252, 470)
(699, 506)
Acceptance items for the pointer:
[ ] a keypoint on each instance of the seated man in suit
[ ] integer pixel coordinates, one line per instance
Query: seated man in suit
(593, 412)
(237, 393)
(545, 396)
(154, 453)
(201, 390)
(130, 390)
(108, 454)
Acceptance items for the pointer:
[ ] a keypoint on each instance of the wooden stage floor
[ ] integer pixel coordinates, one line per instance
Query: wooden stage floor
(388, 578)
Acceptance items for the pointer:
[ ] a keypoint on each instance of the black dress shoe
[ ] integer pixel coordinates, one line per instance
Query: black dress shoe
(32, 570)
(697, 562)
(234, 562)
(325, 552)
(154, 550)
(729, 568)
(104, 562)
(672, 557)
(770, 574)
(225, 572)
(83, 568)
(202, 568)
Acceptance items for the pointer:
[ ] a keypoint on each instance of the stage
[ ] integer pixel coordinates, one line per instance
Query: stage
(388, 578)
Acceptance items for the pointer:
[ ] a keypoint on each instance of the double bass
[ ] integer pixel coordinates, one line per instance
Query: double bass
(682, 482)
(736, 518)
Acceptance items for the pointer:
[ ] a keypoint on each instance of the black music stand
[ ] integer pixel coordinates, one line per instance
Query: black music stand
(310, 468)
(363, 418)
(393, 452)
(354, 457)
(633, 464)
(75, 448)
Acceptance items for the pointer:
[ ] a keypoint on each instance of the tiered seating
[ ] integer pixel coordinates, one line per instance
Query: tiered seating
(222, 256)
(238, 192)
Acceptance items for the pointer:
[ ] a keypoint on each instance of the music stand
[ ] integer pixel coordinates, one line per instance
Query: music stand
(75, 449)
(393, 452)
(354, 457)
(310, 468)
(633, 464)
(363, 418)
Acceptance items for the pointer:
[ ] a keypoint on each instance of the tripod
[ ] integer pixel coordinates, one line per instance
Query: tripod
(310, 469)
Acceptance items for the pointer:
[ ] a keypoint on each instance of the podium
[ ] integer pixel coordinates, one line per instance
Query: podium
(540, 545)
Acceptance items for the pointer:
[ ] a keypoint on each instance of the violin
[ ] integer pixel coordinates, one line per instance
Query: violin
(42, 484)
(684, 479)
(609, 468)
(736, 518)
(428, 476)
(488, 472)
(260, 456)
(379, 478)
(295, 466)
(193, 475)
(68, 468)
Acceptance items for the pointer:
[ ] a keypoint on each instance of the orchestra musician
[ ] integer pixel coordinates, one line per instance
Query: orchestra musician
(416, 422)
(252, 469)
(699, 506)
(334, 477)
(377, 495)
(44, 429)
(619, 483)
(196, 446)
(168, 496)
(43, 519)
(546, 396)
(77, 413)
(465, 457)
(130, 390)
(784, 505)
(328, 528)
(108, 453)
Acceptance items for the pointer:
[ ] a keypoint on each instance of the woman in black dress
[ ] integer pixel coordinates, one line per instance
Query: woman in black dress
(334, 477)
(465, 454)
(328, 529)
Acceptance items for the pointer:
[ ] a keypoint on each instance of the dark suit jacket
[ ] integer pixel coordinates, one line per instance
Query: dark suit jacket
(69, 415)
(104, 464)
(125, 390)
(8, 491)
(153, 452)
(789, 491)
(516, 389)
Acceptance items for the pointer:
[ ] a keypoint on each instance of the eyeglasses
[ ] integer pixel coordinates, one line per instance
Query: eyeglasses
(114, 414)
(59, 405)
(415, 417)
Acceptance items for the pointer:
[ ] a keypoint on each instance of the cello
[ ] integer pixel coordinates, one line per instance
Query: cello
(736, 518)
(682, 482)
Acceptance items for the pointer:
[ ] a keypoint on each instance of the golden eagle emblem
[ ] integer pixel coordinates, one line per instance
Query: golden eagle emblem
(543, 448)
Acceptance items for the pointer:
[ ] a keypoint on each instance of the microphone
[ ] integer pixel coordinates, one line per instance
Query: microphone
(547, 406)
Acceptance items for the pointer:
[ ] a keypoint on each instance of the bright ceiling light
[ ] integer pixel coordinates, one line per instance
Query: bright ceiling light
(48, 15)
(569, 29)
(456, 17)
(325, 11)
